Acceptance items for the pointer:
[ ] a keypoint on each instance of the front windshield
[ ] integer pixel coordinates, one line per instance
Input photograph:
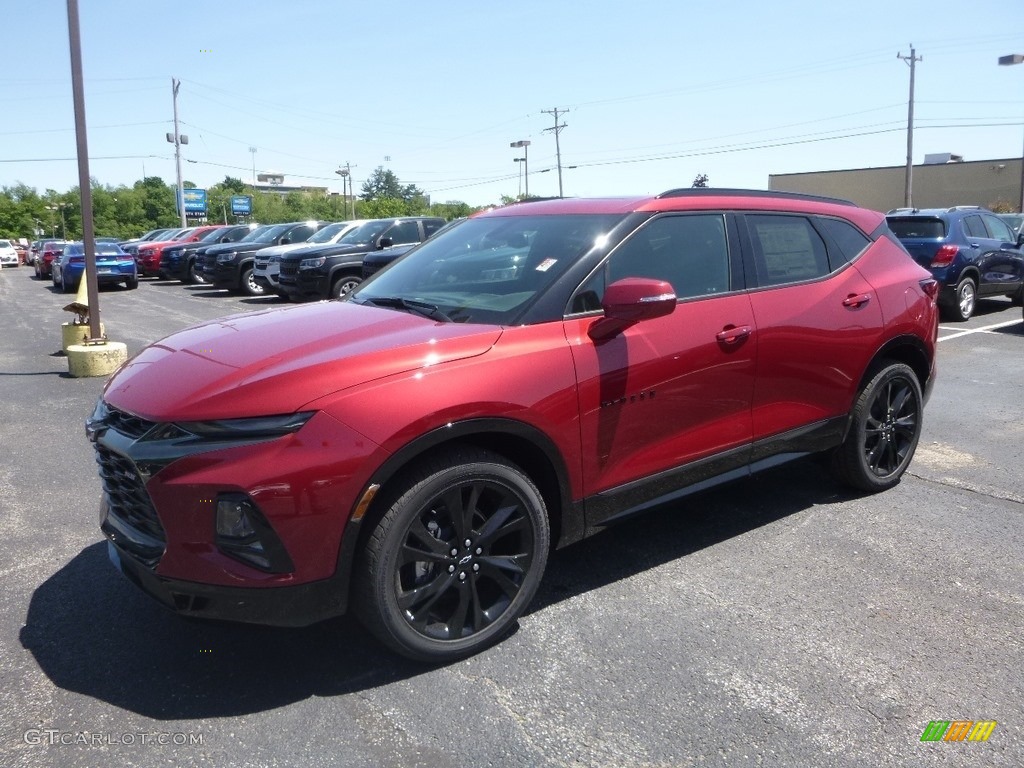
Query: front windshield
(264, 234)
(212, 236)
(184, 234)
(487, 270)
(366, 233)
(328, 233)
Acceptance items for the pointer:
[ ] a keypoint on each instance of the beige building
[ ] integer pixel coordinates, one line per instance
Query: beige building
(989, 183)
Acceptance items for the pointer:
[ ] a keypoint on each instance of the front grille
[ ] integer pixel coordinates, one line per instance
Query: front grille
(127, 424)
(369, 269)
(262, 263)
(135, 527)
(210, 262)
(289, 269)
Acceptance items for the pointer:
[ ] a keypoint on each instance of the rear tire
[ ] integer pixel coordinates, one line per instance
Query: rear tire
(131, 283)
(429, 604)
(884, 430)
(965, 299)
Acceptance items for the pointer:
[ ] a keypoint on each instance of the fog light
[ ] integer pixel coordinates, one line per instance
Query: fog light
(233, 519)
(244, 534)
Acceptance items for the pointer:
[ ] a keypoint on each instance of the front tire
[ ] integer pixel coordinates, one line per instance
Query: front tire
(456, 557)
(884, 430)
(344, 285)
(249, 284)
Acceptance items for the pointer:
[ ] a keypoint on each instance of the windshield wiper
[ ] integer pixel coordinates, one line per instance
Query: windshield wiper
(410, 305)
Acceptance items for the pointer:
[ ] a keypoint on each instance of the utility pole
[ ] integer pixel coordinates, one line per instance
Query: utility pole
(908, 187)
(557, 128)
(346, 179)
(177, 139)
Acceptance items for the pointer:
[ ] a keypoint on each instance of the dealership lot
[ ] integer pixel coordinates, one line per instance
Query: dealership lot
(770, 622)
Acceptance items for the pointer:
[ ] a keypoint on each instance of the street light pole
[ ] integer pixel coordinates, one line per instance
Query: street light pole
(252, 150)
(525, 145)
(518, 160)
(1005, 61)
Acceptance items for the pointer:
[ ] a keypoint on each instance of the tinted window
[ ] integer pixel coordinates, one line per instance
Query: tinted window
(690, 252)
(431, 226)
(327, 233)
(850, 240)
(786, 249)
(301, 234)
(404, 232)
(974, 227)
(926, 228)
(998, 230)
(490, 269)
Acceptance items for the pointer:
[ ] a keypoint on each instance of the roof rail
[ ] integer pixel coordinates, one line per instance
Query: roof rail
(902, 210)
(717, 191)
(955, 208)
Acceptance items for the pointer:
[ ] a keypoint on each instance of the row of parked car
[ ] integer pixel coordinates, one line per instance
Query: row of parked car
(972, 252)
(297, 260)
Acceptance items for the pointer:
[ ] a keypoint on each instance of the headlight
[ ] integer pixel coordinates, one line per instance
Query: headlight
(312, 263)
(260, 426)
(223, 258)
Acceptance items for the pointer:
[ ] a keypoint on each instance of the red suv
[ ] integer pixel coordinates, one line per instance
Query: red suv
(514, 384)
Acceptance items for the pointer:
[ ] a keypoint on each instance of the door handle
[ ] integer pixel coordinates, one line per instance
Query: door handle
(732, 334)
(856, 301)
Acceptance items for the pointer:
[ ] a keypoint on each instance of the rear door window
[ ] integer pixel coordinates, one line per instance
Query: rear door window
(975, 227)
(404, 232)
(787, 249)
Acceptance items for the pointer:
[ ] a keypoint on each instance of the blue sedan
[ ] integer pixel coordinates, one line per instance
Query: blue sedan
(113, 265)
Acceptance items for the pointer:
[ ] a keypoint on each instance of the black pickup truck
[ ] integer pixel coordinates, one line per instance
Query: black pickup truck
(331, 271)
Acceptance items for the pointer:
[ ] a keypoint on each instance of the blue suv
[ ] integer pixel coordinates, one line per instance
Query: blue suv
(969, 250)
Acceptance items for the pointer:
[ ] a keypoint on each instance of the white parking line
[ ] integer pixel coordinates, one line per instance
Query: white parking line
(983, 329)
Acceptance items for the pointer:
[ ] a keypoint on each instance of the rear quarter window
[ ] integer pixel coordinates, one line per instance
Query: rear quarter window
(928, 229)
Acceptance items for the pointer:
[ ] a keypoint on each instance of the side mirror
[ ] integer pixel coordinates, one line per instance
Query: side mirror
(629, 301)
(385, 242)
(285, 240)
(1020, 239)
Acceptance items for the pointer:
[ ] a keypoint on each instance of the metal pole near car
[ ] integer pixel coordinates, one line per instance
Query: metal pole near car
(1016, 58)
(908, 188)
(84, 185)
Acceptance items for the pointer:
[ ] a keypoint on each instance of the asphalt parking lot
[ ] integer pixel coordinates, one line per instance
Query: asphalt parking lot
(779, 621)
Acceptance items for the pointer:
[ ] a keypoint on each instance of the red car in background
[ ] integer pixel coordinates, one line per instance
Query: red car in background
(149, 254)
(48, 251)
(514, 384)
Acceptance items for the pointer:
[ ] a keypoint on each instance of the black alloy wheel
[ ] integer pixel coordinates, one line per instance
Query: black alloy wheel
(884, 431)
(455, 559)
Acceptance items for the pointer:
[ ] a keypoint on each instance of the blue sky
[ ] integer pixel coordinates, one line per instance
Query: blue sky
(656, 92)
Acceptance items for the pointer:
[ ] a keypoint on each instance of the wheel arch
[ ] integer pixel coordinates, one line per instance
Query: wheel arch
(908, 350)
(522, 444)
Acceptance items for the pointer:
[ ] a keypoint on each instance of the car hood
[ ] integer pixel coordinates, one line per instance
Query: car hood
(239, 247)
(277, 250)
(329, 249)
(278, 360)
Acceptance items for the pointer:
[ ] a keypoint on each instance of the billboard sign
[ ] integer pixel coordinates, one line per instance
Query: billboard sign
(195, 201)
(241, 205)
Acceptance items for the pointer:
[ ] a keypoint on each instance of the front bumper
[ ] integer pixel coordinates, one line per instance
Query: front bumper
(294, 606)
(158, 513)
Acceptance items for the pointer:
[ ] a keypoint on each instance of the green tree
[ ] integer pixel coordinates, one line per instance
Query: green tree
(701, 180)
(384, 183)
(380, 208)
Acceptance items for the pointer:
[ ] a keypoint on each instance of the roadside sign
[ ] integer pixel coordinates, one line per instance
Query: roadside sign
(241, 205)
(195, 202)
